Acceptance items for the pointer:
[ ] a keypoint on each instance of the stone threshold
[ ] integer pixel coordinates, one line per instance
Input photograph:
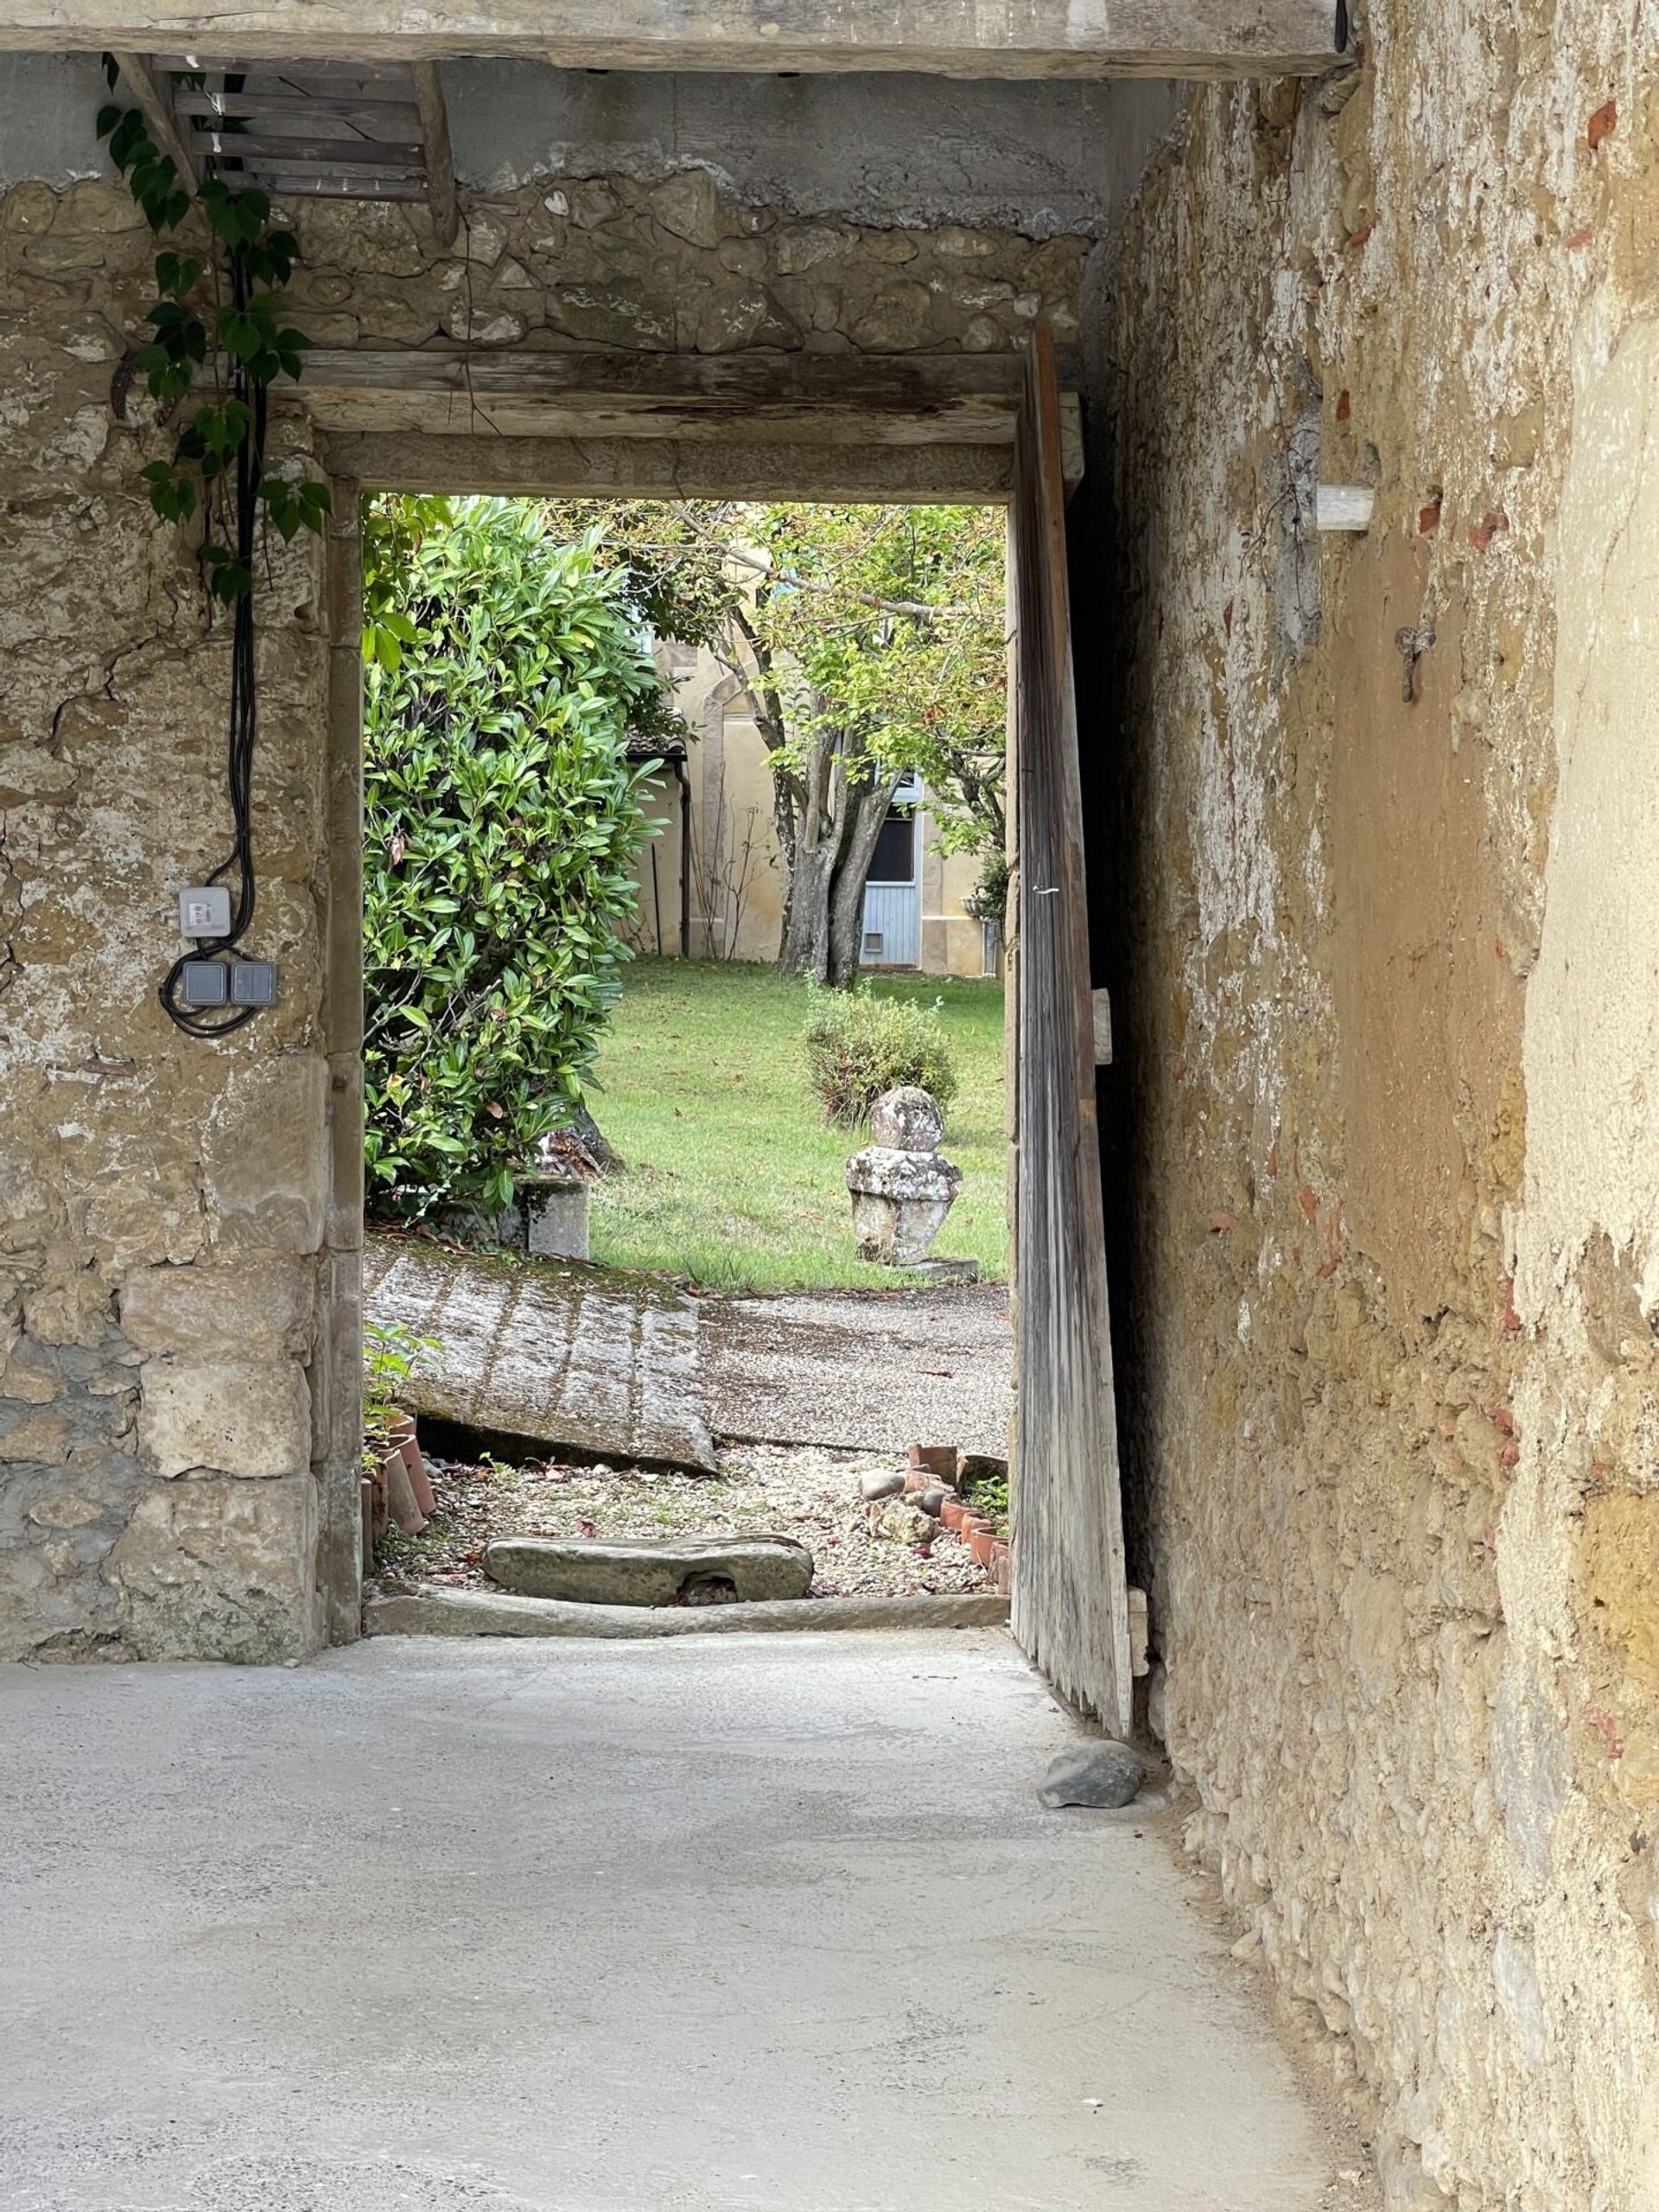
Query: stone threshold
(433, 1611)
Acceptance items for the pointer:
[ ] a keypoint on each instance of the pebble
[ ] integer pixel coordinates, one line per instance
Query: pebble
(1097, 1774)
(884, 1482)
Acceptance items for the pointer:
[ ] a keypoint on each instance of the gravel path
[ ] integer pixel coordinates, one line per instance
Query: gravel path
(802, 1491)
(870, 1370)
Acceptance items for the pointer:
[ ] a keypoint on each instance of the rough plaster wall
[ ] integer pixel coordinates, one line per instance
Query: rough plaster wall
(165, 1205)
(1041, 159)
(1390, 1041)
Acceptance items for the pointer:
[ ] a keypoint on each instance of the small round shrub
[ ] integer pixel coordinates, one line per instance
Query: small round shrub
(858, 1045)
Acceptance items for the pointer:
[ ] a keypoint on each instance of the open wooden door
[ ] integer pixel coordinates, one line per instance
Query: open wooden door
(1071, 1608)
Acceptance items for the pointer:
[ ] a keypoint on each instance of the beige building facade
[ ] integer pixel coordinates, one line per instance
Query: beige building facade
(725, 880)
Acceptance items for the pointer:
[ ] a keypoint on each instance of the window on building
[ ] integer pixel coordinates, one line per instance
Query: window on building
(895, 848)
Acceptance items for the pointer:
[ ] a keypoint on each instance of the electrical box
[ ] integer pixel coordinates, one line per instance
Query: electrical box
(205, 983)
(253, 982)
(205, 911)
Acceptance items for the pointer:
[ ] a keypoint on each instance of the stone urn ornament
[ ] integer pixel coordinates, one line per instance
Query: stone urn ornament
(902, 1189)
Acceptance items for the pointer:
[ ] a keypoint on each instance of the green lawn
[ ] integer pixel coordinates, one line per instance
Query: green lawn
(735, 1179)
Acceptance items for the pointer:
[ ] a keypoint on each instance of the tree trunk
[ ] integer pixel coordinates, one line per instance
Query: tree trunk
(847, 897)
(836, 813)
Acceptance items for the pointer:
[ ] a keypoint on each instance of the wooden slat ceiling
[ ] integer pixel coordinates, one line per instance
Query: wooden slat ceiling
(322, 129)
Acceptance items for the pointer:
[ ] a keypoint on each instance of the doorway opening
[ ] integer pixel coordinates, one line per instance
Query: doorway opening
(1069, 1599)
(612, 1243)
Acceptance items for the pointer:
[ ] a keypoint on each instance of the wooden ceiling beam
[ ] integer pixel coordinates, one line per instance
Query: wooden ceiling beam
(140, 81)
(440, 163)
(952, 38)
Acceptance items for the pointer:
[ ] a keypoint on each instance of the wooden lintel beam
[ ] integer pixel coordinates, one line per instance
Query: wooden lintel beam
(774, 399)
(667, 468)
(952, 38)
(440, 163)
(139, 78)
(901, 380)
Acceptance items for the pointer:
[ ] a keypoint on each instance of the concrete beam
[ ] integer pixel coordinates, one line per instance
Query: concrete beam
(952, 38)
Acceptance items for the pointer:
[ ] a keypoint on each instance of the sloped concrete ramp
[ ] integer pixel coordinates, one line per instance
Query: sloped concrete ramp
(732, 1924)
(548, 1356)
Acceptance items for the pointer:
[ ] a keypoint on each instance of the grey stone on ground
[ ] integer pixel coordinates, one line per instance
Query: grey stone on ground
(1099, 1774)
(886, 1481)
(548, 1358)
(863, 1369)
(647, 1571)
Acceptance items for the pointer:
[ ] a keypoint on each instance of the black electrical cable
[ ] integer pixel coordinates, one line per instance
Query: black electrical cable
(197, 1021)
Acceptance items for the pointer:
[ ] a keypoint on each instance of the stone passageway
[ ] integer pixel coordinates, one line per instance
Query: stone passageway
(768, 1924)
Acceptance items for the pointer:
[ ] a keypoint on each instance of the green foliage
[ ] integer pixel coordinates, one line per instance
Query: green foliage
(216, 316)
(990, 900)
(502, 824)
(881, 628)
(894, 618)
(392, 530)
(859, 1045)
(991, 1498)
(390, 1355)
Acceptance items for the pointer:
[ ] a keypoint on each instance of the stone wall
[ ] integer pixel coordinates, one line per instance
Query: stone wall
(177, 1405)
(162, 1198)
(671, 267)
(1389, 1043)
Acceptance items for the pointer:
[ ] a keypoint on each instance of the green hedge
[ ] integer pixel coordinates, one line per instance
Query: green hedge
(502, 822)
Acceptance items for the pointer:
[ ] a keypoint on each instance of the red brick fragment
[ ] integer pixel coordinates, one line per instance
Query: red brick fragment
(1607, 1728)
(1602, 123)
(1429, 518)
(1482, 533)
(1345, 406)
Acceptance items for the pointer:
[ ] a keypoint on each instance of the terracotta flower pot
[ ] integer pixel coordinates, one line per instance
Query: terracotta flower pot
(400, 1493)
(953, 1513)
(419, 1481)
(982, 1543)
(1002, 1568)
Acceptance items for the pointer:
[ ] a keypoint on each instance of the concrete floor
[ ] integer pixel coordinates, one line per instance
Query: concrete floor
(752, 1925)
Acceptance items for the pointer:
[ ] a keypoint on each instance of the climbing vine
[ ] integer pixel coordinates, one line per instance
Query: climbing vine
(216, 323)
(218, 344)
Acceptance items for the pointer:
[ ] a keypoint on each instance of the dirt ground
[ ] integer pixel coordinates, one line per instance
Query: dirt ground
(805, 1492)
(871, 1370)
